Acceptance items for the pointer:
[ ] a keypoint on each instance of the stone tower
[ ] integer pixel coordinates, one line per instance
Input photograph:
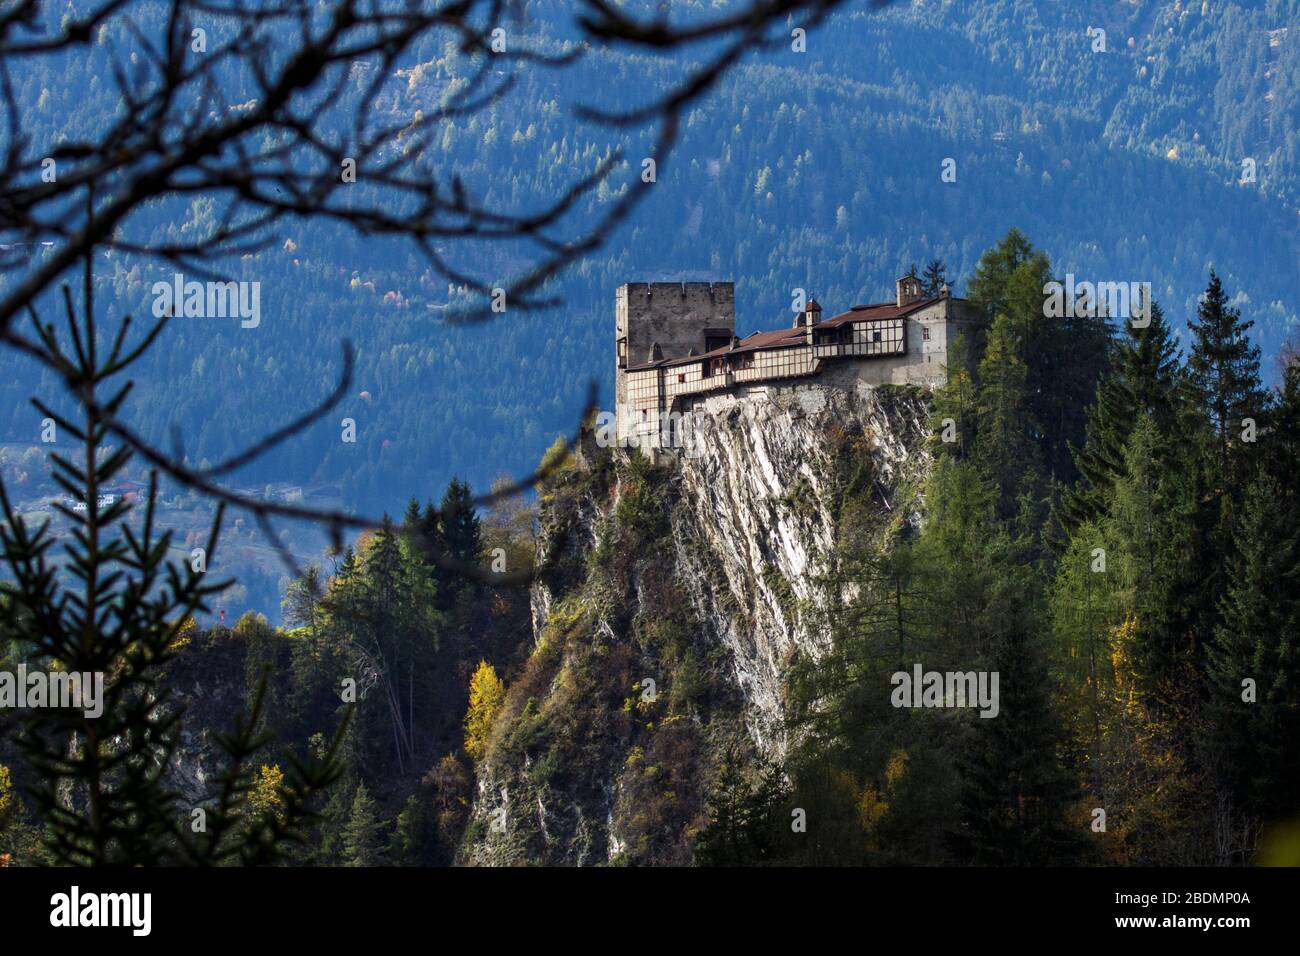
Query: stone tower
(667, 320)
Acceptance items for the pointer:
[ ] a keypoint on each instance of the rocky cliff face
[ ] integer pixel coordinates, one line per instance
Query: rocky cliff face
(678, 597)
(763, 505)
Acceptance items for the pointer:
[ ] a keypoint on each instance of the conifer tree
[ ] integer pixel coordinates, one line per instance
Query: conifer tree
(1016, 795)
(748, 810)
(1223, 370)
(953, 423)
(1085, 607)
(1258, 729)
(1282, 446)
(460, 523)
(412, 516)
(453, 531)
(361, 840)
(961, 552)
(1003, 448)
(1159, 545)
(383, 612)
(301, 603)
(101, 786)
(430, 527)
(1144, 379)
(935, 277)
(334, 815)
(986, 289)
(840, 699)
(487, 695)
(1064, 355)
(415, 840)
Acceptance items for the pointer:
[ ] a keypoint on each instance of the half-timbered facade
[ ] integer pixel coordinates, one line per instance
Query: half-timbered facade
(899, 342)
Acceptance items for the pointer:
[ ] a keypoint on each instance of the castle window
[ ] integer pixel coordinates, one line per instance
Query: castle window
(925, 332)
(875, 336)
(681, 377)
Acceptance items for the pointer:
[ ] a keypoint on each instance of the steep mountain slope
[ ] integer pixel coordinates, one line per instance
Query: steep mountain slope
(679, 596)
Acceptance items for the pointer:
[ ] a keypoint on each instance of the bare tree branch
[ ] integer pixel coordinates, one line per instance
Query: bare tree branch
(280, 157)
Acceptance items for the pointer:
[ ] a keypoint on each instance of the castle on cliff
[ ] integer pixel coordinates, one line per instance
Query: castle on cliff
(678, 354)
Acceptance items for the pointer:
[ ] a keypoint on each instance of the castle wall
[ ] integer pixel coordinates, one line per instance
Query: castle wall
(672, 315)
(909, 350)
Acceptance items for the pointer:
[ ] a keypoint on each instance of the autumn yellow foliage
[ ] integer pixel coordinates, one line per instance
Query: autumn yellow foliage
(265, 796)
(8, 801)
(486, 696)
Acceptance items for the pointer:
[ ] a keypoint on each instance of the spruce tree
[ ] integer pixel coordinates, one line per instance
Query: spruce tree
(1003, 447)
(1160, 546)
(953, 423)
(361, 840)
(1064, 356)
(382, 613)
(460, 523)
(1223, 370)
(415, 839)
(1016, 794)
(1085, 608)
(411, 518)
(748, 812)
(430, 527)
(1143, 380)
(986, 289)
(935, 277)
(1258, 739)
(119, 610)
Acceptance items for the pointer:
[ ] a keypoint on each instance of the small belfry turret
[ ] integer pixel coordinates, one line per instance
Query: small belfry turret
(811, 315)
(908, 289)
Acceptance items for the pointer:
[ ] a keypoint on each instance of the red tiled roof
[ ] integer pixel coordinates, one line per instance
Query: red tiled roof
(879, 310)
(755, 340)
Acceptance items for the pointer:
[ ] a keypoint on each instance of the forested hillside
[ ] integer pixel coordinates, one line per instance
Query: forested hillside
(819, 170)
(705, 668)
